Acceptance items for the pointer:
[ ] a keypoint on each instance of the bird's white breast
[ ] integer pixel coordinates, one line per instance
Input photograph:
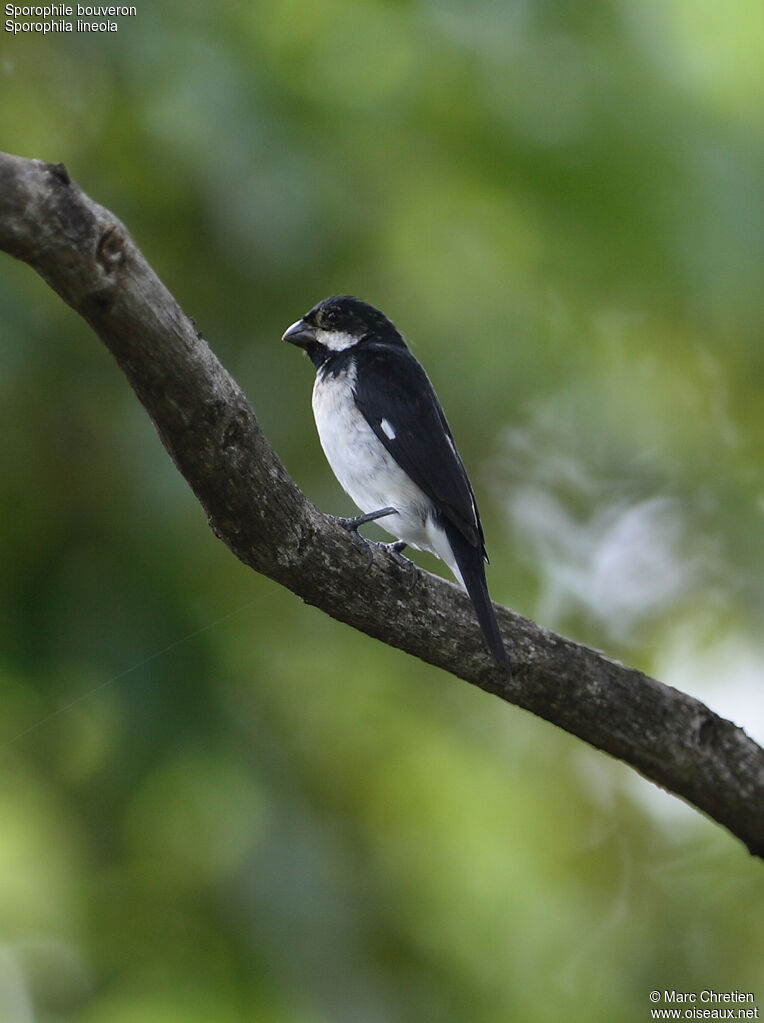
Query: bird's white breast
(365, 469)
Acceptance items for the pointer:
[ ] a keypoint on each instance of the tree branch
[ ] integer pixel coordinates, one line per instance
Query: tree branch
(209, 429)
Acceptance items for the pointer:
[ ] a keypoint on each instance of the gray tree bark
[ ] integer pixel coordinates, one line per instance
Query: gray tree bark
(210, 431)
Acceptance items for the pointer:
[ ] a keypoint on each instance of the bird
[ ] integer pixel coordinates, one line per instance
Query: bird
(387, 440)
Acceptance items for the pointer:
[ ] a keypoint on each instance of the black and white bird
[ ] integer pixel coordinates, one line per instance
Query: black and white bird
(387, 441)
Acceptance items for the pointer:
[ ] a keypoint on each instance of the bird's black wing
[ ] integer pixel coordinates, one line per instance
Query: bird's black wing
(397, 400)
(394, 388)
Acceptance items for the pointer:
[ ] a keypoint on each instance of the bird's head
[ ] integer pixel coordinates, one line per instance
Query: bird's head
(339, 323)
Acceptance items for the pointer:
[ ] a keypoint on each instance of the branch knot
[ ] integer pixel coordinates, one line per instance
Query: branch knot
(110, 251)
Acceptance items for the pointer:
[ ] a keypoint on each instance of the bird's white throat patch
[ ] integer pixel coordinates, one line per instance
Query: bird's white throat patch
(335, 340)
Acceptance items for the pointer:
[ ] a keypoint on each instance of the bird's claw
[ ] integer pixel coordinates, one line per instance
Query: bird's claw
(360, 520)
(394, 550)
(351, 526)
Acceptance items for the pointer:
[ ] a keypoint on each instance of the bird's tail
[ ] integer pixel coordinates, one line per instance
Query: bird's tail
(469, 561)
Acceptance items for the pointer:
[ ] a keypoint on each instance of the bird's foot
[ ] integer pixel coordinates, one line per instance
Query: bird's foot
(394, 550)
(351, 525)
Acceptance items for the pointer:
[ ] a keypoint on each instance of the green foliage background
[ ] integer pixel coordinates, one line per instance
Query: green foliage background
(218, 805)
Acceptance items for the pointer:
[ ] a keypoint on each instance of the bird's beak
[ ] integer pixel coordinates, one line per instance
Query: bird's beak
(300, 334)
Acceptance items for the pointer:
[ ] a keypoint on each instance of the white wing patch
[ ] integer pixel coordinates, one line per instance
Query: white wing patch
(387, 429)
